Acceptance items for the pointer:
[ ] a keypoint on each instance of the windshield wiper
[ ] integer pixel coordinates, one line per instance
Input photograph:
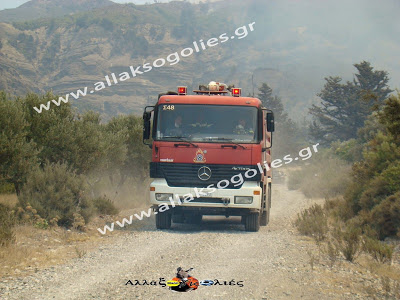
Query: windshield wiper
(229, 140)
(181, 138)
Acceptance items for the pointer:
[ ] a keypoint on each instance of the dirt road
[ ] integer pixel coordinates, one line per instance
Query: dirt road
(271, 264)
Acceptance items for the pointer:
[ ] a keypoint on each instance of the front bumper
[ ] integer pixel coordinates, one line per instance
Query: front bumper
(204, 197)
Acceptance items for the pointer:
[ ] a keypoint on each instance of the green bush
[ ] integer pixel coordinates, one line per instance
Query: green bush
(374, 193)
(347, 240)
(392, 176)
(332, 253)
(313, 222)
(42, 224)
(6, 188)
(56, 192)
(7, 222)
(105, 206)
(380, 187)
(350, 150)
(386, 216)
(380, 251)
(338, 208)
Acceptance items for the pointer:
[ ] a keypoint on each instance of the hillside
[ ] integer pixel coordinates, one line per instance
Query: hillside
(79, 50)
(36, 9)
(290, 48)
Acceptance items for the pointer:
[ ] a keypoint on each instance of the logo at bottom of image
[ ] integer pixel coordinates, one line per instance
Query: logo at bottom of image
(184, 282)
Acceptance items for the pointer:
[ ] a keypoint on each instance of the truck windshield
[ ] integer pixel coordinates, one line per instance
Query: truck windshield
(207, 123)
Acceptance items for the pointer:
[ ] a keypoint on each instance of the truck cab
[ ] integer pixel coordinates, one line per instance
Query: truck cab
(211, 155)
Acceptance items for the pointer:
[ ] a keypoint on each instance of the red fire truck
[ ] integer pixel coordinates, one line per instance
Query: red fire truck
(211, 155)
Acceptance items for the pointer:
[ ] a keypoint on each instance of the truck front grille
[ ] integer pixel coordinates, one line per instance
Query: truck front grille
(186, 175)
(208, 200)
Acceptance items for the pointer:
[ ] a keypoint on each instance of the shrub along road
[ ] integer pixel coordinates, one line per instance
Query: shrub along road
(274, 263)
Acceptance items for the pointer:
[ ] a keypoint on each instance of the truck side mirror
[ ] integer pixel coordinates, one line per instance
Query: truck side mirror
(147, 124)
(270, 121)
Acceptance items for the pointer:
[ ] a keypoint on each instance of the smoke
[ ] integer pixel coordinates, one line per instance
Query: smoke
(128, 194)
(296, 44)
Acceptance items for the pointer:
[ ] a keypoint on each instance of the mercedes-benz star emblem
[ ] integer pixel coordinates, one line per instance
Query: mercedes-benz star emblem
(204, 173)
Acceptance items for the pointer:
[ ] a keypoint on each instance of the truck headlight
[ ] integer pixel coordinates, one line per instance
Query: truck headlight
(243, 199)
(163, 196)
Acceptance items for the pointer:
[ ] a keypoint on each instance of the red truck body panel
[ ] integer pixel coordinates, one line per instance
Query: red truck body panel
(214, 153)
(209, 100)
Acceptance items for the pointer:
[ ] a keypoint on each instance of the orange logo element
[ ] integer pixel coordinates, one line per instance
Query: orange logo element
(183, 282)
(199, 158)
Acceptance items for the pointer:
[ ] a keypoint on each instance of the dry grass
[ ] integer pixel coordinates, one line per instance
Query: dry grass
(36, 248)
(313, 222)
(376, 273)
(366, 277)
(313, 259)
(380, 269)
(9, 199)
(80, 252)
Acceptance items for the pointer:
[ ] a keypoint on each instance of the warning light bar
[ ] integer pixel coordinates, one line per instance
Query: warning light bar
(182, 90)
(236, 92)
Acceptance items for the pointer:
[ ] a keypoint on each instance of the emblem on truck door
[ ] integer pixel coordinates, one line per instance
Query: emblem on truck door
(199, 158)
(204, 173)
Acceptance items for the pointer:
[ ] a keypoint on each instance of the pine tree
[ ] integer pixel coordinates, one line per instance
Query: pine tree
(287, 133)
(273, 103)
(344, 107)
(375, 82)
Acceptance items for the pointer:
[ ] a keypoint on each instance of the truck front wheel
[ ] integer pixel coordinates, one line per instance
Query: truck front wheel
(163, 220)
(252, 222)
(178, 219)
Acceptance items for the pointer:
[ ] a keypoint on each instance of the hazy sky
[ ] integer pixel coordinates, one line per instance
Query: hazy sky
(11, 3)
(15, 3)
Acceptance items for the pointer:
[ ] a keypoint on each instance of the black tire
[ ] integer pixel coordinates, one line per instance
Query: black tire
(252, 222)
(194, 219)
(178, 219)
(163, 220)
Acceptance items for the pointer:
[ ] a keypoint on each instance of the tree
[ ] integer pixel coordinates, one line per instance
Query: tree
(56, 191)
(374, 195)
(389, 116)
(17, 151)
(136, 161)
(53, 156)
(64, 136)
(375, 82)
(107, 24)
(273, 103)
(81, 22)
(344, 107)
(287, 134)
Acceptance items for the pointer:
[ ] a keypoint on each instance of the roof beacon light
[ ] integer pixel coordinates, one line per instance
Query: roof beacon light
(182, 90)
(236, 92)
